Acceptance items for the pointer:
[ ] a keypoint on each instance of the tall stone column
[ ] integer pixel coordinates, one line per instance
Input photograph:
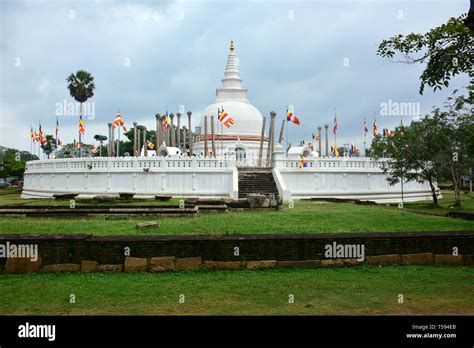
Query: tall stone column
(262, 138)
(271, 138)
(205, 136)
(139, 148)
(280, 138)
(172, 137)
(110, 144)
(145, 147)
(178, 129)
(213, 134)
(184, 139)
(319, 141)
(135, 139)
(113, 140)
(189, 113)
(327, 139)
(158, 132)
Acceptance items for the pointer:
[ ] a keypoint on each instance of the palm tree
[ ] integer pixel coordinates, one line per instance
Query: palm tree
(81, 87)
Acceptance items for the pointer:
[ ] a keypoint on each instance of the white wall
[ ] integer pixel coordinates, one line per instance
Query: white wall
(354, 178)
(184, 177)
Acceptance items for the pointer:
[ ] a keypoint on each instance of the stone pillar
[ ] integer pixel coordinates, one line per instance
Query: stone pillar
(262, 138)
(213, 135)
(271, 138)
(184, 139)
(319, 141)
(205, 136)
(138, 140)
(145, 147)
(280, 138)
(178, 129)
(113, 141)
(327, 139)
(158, 132)
(135, 139)
(172, 137)
(110, 145)
(189, 113)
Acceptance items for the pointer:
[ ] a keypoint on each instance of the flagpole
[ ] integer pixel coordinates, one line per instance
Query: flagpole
(287, 126)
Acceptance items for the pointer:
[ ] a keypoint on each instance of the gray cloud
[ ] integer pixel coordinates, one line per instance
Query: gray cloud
(177, 53)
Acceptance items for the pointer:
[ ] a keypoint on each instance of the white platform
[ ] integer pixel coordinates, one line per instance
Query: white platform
(354, 178)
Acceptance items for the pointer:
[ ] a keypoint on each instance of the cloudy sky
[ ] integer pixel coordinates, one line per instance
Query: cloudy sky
(144, 56)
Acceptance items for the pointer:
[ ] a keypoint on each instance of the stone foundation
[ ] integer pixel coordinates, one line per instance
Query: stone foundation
(172, 264)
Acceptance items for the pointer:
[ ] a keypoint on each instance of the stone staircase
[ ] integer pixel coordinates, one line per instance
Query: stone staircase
(256, 180)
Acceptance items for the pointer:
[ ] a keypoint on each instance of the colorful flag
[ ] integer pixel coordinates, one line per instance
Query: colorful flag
(303, 162)
(166, 122)
(82, 126)
(385, 132)
(225, 118)
(334, 128)
(37, 136)
(291, 117)
(366, 127)
(32, 133)
(119, 122)
(374, 130)
(335, 150)
(150, 145)
(57, 125)
(76, 144)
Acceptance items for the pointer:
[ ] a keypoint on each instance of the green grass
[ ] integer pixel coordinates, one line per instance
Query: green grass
(305, 217)
(446, 204)
(427, 290)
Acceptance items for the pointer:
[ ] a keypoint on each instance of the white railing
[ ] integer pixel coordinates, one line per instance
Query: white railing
(124, 163)
(350, 163)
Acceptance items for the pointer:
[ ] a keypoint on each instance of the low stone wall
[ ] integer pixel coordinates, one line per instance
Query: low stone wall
(87, 253)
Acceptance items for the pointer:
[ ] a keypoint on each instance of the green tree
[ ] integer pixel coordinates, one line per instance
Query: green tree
(439, 146)
(81, 87)
(446, 50)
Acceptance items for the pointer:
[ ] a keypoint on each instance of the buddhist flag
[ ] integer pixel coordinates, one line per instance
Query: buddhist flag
(335, 150)
(303, 162)
(385, 132)
(374, 130)
(76, 144)
(166, 122)
(225, 118)
(150, 145)
(334, 128)
(57, 130)
(366, 127)
(82, 126)
(291, 117)
(32, 133)
(119, 122)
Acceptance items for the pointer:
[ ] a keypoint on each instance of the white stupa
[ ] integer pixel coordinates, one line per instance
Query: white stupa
(242, 139)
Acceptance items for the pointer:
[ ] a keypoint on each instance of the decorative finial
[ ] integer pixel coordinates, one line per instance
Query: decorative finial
(232, 46)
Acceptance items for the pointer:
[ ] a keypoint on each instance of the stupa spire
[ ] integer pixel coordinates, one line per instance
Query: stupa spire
(231, 89)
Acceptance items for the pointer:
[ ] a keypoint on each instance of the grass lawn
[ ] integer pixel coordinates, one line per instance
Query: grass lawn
(366, 290)
(305, 217)
(446, 204)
